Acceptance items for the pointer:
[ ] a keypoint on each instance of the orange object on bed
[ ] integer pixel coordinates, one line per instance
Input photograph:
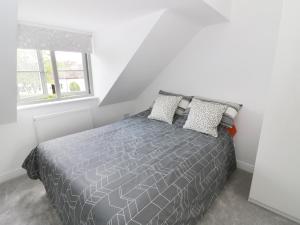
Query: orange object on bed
(232, 131)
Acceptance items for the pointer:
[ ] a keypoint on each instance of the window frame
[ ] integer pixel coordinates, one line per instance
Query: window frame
(86, 61)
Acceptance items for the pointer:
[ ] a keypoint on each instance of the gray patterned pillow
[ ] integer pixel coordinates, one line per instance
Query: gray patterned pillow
(164, 108)
(230, 113)
(205, 117)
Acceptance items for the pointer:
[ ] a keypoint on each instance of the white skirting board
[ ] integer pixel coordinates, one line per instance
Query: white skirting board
(11, 175)
(245, 166)
(292, 218)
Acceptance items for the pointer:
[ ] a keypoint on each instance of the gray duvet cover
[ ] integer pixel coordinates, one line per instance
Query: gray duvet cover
(136, 171)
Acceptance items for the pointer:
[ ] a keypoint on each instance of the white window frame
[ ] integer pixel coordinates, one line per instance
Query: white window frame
(86, 59)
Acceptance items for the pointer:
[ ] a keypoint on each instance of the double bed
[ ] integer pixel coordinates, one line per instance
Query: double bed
(133, 172)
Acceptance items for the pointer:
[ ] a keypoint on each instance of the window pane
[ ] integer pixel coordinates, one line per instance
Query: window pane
(36, 76)
(27, 60)
(68, 60)
(49, 76)
(71, 81)
(29, 84)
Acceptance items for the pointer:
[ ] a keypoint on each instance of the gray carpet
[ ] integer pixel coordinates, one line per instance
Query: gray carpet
(24, 202)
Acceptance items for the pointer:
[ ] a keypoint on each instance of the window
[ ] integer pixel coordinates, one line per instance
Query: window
(44, 75)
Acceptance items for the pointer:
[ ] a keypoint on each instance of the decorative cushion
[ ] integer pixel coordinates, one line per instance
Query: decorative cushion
(230, 113)
(164, 108)
(205, 117)
(232, 131)
(183, 104)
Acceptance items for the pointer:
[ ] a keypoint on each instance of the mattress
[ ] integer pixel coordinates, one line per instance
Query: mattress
(133, 172)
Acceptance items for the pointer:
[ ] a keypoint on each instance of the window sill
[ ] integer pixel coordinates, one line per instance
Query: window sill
(59, 102)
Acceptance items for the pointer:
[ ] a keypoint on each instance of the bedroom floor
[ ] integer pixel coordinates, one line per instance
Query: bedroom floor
(23, 201)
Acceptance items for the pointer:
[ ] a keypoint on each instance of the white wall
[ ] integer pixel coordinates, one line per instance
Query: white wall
(8, 89)
(231, 61)
(18, 139)
(276, 181)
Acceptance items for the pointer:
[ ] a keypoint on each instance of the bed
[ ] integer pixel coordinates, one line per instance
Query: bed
(133, 172)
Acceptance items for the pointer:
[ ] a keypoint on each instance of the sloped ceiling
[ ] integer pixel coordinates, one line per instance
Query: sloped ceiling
(164, 41)
(114, 48)
(174, 29)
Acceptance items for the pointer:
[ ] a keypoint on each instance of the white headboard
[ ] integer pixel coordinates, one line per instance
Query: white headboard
(55, 125)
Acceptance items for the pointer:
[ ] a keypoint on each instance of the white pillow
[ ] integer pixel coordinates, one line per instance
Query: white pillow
(164, 108)
(205, 117)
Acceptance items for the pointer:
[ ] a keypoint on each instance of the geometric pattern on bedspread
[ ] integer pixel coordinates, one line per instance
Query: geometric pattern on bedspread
(136, 171)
